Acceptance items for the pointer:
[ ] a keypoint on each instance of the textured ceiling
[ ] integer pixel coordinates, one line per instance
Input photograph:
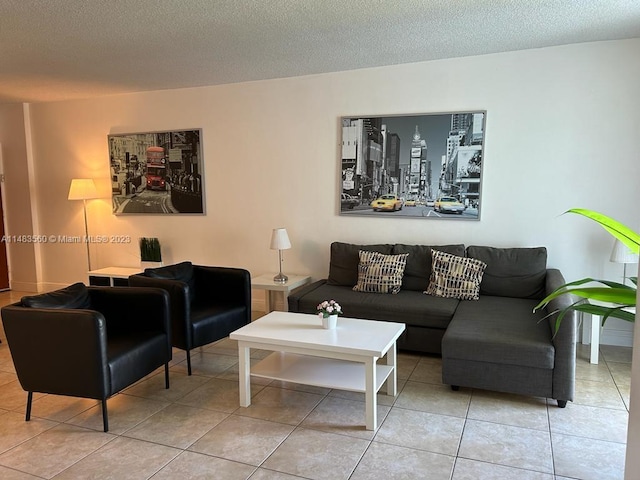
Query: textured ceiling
(64, 49)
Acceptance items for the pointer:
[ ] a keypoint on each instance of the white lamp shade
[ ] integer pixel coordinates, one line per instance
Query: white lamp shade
(82, 189)
(280, 239)
(622, 254)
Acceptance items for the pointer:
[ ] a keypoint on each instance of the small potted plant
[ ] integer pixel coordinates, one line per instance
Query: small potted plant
(150, 253)
(328, 311)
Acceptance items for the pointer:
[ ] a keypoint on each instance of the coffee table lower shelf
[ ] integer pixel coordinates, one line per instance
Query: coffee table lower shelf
(318, 371)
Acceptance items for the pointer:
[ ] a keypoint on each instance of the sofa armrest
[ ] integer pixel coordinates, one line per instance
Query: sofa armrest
(564, 339)
(58, 351)
(295, 296)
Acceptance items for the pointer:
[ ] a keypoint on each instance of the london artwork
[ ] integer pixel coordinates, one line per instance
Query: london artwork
(418, 166)
(157, 172)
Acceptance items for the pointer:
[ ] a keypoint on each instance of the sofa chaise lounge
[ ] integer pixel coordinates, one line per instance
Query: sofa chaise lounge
(495, 342)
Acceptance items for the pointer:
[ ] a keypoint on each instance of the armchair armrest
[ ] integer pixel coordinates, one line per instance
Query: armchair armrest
(223, 285)
(132, 309)
(58, 351)
(179, 305)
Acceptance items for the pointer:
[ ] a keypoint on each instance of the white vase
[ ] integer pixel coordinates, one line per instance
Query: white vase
(330, 322)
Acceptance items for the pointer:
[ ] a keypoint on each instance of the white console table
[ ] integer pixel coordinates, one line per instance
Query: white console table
(112, 276)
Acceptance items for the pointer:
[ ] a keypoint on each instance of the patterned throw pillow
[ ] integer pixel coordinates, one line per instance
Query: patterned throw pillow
(455, 277)
(380, 273)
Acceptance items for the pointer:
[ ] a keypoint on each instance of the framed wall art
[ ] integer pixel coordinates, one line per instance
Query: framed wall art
(157, 172)
(413, 166)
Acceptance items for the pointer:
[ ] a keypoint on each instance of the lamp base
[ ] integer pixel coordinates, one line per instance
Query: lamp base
(280, 278)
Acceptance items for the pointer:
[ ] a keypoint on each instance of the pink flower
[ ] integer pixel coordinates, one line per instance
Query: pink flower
(329, 307)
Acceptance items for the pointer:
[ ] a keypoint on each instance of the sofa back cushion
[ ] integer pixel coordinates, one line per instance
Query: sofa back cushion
(343, 263)
(417, 272)
(512, 272)
(73, 296)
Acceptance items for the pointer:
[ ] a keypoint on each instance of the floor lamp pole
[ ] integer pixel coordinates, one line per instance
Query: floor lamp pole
(86, 232)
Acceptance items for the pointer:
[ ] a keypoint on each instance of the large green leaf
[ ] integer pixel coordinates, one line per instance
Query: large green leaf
(622, 296)
(617, 293)
(620, 231)
(614, 298)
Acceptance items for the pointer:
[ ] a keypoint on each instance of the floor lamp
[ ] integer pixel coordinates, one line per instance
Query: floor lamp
(83, 189)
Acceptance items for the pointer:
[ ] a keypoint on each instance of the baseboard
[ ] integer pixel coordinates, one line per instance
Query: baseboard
(30, 287)
(49, 286)
(620, 338)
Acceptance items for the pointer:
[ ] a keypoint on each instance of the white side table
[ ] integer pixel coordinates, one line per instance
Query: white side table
(112, 276)
(265, 282)
(596, 329)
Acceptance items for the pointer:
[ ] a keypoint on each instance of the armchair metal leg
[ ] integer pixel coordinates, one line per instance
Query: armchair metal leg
(166, 375)
(29, 400)
(189, 362)
(105, 416)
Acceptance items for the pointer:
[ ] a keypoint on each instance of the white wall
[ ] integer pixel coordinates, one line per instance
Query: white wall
(561, 132)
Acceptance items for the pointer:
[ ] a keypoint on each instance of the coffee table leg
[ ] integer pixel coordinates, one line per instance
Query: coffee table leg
(371, 410)
(392, 379)
(245, 375)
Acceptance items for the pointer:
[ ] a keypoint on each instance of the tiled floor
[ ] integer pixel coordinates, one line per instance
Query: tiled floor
(197, 430)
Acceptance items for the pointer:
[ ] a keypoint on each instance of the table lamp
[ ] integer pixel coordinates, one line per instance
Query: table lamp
(280, 241)
(83, 189)
(622, 254)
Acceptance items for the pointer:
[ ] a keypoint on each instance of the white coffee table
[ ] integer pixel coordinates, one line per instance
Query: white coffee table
(345, 358)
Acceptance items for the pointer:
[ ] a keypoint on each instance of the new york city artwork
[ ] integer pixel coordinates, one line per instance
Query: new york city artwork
(157, 172)
(413, 166)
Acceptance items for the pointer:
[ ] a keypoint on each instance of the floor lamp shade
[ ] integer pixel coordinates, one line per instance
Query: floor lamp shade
(83, 189)
(280, 241)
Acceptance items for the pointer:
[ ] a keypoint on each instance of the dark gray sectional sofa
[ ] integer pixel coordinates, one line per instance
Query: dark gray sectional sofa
(495, 343)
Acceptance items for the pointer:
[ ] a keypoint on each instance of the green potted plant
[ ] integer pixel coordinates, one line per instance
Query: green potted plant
(612, 299)
(150, 252)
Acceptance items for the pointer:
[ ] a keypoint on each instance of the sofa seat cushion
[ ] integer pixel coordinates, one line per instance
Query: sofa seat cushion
(499, 330)
(409, 307)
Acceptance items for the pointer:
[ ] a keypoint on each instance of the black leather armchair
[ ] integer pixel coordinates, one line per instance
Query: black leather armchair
(88, 342)
(206, 303)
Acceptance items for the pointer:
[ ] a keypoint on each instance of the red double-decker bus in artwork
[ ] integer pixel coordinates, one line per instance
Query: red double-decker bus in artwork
(156, 168)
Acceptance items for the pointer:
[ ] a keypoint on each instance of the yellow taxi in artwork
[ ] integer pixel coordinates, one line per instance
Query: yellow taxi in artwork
(387, 202)
(448, 205)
